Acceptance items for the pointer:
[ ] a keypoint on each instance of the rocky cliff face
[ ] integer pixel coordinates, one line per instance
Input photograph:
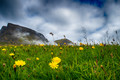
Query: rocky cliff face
(13, 33)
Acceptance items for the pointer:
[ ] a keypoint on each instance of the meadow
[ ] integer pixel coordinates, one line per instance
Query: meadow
(51, 62)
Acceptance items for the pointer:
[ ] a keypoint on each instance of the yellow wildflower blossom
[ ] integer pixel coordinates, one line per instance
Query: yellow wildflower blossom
(14, 66)
(64, 43)
(54, 45)
(80, 48)
(37, 58)
(21, 45)
(93, 47)
(51, 53)
(56, 60)
(60, 48)
(101, 44)
(58, 44)
(3, 49)
(81, 43)
(20, 63)
(53, 65)
(41, 45)
(11, 54)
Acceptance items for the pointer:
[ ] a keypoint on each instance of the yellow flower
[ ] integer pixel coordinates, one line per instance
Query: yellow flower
(58, 44)
(41, 45)
(101, 44)
(51, 53)
(53, 65)
(21, 45)
(37, 58)
(64, 43)
(14, 66)
(93, 47)
(11, 54)
(80, 48)
(54, 45)
(3, 49)
(81, 43)
(56, 60)
(20, 63)
(60, 48)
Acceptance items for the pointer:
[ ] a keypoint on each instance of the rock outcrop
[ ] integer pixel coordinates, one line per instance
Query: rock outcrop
(13, 33)
(64, 42)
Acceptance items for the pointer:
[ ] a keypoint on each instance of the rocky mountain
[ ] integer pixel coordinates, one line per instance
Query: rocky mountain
(13, 33)
(64, 41)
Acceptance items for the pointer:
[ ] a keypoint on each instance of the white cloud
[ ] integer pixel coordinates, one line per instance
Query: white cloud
(74, 19)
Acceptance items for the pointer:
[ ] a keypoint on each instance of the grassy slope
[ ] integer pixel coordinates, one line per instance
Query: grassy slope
(75, 64)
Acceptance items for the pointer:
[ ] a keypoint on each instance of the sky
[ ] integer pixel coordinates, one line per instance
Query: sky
(71, 18)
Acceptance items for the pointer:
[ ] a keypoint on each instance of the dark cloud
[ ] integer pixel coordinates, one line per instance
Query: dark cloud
(10, 9)
(98, 3)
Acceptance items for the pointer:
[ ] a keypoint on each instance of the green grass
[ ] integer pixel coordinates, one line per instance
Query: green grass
(74, 65)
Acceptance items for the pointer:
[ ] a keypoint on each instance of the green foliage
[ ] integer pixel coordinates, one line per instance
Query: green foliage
(101, 63)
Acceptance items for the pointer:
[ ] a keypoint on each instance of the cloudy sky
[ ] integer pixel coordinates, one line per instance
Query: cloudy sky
(64, 17)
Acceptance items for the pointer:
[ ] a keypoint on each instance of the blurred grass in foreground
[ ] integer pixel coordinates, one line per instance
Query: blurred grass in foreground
(85, 63)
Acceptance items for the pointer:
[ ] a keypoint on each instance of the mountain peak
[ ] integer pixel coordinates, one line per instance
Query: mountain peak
(17, 34)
